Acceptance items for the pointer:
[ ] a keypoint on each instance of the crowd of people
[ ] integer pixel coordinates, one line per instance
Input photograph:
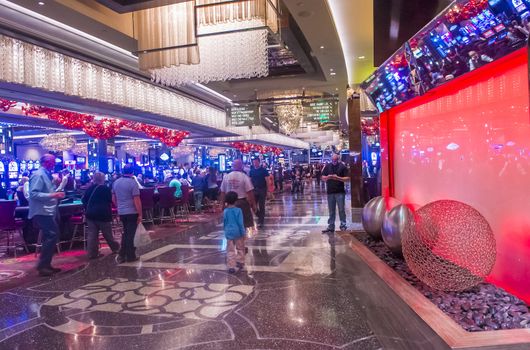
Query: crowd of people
(241, 193)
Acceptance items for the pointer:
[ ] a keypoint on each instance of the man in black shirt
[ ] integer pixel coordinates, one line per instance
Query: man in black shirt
(335, 175)
(260, 177)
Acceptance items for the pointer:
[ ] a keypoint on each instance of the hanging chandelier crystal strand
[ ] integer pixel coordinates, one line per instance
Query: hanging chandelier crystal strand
(57, 142)
(30, 65)
(231, 41)
(289, 116)
(241, 55)
(164, 27)
(136, 148)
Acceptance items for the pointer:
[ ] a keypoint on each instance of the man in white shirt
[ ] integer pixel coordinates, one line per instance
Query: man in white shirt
(238, 182)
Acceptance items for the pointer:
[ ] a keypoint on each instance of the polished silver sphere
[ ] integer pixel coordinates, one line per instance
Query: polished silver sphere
(374, 214)
(395, 223)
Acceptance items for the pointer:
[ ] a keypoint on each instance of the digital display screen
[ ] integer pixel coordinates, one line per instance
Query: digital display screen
(222, 162)
(81, 160)
(444, 50)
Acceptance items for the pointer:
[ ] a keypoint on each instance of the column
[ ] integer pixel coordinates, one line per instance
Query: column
(356, 173)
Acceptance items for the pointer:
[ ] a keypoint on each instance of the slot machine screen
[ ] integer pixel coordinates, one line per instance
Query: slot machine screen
(222, 162)
(2, 169)
(36, 165)
(23, 166)
(110, 165)
(78, 174)
(12, 168)
(488, 34)
(499, 27)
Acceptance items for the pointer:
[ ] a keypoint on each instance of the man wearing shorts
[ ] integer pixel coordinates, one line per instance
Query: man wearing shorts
(238, 182)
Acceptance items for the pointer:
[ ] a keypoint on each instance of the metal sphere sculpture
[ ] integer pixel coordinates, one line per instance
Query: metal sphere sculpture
(395, 223)
(374, 213)
(450, 246)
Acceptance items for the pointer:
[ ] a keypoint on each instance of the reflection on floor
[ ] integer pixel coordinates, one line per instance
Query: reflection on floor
(297, 292)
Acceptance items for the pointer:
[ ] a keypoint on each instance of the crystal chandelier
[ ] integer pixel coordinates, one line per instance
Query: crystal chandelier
(206, 40)
(215, 152)
(57, 142)
(289, 116)
(80, 149)
(136, 148)
(182, 151)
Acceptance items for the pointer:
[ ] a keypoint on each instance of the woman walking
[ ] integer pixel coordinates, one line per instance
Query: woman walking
(98, 207)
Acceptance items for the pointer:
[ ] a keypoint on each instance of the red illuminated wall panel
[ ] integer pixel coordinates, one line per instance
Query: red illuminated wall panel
(469, 140)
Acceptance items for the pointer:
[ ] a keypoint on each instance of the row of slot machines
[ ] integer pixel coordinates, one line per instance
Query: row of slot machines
(12, 170)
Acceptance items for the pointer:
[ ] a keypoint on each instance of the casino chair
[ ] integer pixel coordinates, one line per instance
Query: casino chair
(10, 226)
(80, 228)
(148, 204)
(167, 203)
(183, 203)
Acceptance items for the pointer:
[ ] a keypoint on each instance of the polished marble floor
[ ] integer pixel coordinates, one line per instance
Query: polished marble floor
(296, 292)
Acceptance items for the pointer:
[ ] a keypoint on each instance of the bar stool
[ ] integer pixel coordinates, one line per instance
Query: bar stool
(79, 234)
(183, 204)
(148, 204)
(167, 204)
(9, 226)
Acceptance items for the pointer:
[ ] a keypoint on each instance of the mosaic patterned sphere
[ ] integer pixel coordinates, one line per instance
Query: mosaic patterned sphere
(450, 246)
(374, 213)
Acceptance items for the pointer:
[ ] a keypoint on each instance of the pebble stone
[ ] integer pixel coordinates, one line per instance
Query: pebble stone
(482, 308)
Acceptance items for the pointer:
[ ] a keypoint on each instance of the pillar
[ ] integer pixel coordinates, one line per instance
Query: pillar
(354, 119)
(102, 156)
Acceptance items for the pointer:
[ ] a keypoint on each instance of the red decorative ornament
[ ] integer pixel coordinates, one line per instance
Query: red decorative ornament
(245, 147)
(370, 126)
(6, 105)
(457, 14)
(103, 129)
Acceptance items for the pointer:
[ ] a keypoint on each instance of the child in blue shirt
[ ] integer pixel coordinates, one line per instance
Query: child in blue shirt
(235, 234)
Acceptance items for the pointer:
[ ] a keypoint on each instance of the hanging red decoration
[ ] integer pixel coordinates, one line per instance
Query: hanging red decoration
(370, 126)
(102, 129)
(457, 14)
(245, 147)
(6, 105)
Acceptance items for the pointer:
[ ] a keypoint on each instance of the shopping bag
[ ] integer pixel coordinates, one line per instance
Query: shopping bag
(141, 238)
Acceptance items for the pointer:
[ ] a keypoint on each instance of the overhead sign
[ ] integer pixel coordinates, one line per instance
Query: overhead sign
(243, 115)
(321, 111)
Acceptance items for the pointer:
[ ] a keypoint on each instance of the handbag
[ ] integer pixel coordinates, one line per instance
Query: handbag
(141, 237)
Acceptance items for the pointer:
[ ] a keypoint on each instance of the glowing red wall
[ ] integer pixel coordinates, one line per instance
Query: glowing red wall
(469, 140)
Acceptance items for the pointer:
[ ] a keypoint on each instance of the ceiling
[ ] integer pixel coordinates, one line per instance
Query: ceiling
(355, 28)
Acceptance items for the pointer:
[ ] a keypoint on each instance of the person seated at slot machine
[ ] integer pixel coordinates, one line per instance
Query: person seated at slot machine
(522, 30)
(477, 61)
(22, 193)
(70, 185)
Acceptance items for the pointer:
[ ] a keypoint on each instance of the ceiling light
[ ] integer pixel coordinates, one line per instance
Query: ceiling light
(322, 47)
(331, 69)
(40, 3)
(332, 73)
(361, 57)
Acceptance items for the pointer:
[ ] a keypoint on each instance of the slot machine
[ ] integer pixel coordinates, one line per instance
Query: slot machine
(3, 175)
(12, 171)
(222, 162)
(23, 167)
(36, 165)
